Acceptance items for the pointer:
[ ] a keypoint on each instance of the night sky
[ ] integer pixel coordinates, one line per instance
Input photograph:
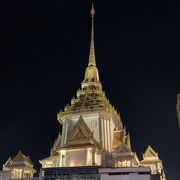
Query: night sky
(44, 52)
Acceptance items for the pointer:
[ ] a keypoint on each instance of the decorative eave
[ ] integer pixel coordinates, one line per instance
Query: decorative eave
(81, 145)
(8, 163)
(50, 158)
(153, 161)
(137, 159)
(107, 112)
(20, 157)
(127, 155)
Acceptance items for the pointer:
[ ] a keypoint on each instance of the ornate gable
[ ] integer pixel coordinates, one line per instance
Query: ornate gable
(20, 157)
(150, 153)
(80, 131)
(122, 148)
(7, 164)
(121, 140)
(118, 138)
(78, 134)
(150, 156)
(81, 135)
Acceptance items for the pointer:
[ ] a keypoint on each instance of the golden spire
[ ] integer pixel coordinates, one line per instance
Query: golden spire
(92, 61)
(91, 74)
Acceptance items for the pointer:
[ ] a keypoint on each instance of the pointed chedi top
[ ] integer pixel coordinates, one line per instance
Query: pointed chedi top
(90, 97)
(92, 74)
(92, 10)
(92, 60)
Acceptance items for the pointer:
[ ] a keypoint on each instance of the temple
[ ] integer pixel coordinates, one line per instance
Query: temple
(20, 167)
(93, 141)
(93, 133)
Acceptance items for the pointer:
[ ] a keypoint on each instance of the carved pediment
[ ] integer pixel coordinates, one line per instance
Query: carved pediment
(78, 134)
(7, 164)
(81, 135)
(20, 157)
(123, 149)
(80, 131)
(118, 138)
(150, 153)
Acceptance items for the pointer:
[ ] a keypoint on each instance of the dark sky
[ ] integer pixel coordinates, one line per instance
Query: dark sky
(44, 53)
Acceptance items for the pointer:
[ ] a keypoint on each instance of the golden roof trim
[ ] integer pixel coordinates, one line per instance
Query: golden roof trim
(21, 157)
(150, 152)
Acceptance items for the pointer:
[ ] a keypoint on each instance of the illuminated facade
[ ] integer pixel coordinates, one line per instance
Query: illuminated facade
(99, 173)
(20, 167)
(93, 133)
(94, 143)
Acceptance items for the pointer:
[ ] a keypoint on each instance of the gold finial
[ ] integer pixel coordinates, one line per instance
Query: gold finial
(91, 74)
(92, 10)
(92, 60)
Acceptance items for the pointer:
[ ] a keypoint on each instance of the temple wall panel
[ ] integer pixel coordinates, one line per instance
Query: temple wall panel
(112, 127)
(103, 132)
(76, 157)
(105, 135)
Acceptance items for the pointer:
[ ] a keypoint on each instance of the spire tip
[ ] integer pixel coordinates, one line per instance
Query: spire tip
(92, 60)
(92, 10)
